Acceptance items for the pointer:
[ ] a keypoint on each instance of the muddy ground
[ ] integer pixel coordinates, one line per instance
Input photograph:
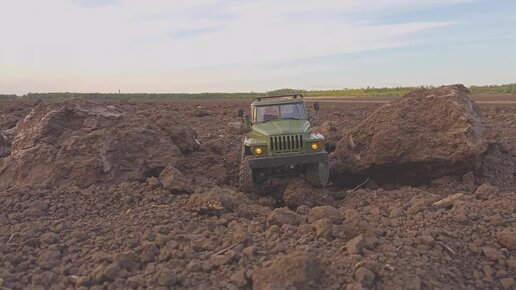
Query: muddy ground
(143, 195)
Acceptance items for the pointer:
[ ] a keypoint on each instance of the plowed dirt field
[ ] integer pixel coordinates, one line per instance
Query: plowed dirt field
(143, 195)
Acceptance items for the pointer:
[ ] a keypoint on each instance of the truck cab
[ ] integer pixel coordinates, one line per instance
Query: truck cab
(280, 142)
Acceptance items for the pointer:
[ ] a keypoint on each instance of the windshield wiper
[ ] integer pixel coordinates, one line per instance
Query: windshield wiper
(289, 118)
(270, 120)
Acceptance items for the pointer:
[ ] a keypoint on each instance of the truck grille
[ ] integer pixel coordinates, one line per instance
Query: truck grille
(287, 143)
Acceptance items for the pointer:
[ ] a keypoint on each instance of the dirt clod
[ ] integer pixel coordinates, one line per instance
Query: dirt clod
(239, 279)
(507, 283)
(485, 191)
(166, 278)
(324, 228)
(507, 238)
(356, 245)
(283, 216)
(300, 193)
(492, 253)
(49, 258)
(324, 212)
(297, 271)
(174, 181)
(127, 260)
(364, 276)
(49, 238)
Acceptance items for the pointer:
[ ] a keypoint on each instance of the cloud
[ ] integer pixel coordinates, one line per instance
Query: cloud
(194, 32)
(97, 3)
(76, 40)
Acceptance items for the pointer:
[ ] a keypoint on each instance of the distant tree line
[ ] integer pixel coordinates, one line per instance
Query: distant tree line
(3, 96)
(506, 89)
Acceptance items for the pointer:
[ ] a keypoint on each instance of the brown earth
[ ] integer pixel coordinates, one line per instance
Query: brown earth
(137, 194)
(426, 134)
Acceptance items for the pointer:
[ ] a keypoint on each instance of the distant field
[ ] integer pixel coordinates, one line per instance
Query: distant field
(505, 90)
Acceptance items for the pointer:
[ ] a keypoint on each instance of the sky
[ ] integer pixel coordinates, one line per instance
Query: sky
(252, 45)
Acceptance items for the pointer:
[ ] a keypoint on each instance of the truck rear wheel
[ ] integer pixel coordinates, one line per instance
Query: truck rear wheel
(246, 176)
(317, 174)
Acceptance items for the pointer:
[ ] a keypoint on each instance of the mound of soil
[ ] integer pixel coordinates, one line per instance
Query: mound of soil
(425, 134)
(84, 144)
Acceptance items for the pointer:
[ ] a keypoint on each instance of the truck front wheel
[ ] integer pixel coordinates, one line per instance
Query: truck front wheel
(317, 174)
(246, 178)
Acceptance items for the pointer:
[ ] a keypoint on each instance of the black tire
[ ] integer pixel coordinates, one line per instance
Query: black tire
(317, 174)
(245, 176)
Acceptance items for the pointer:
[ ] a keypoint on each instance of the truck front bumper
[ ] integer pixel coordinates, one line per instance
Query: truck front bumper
(277, 161)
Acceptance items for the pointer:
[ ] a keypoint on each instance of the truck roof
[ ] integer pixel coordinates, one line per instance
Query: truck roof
(280, 99)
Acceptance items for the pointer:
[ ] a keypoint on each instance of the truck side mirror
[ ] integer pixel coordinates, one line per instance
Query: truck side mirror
(316, 106)
(240, 112)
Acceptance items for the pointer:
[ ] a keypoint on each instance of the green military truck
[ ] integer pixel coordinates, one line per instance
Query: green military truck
(280, 142)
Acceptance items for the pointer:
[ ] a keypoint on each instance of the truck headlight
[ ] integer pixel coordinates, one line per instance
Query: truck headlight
(314, 146)
(257, 150)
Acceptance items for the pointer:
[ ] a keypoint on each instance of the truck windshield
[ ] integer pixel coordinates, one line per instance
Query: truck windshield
(286, 111)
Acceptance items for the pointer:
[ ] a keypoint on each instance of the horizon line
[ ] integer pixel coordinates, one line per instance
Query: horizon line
(259, 92)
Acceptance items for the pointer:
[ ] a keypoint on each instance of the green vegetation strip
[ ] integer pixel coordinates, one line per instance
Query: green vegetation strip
(507, 89)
